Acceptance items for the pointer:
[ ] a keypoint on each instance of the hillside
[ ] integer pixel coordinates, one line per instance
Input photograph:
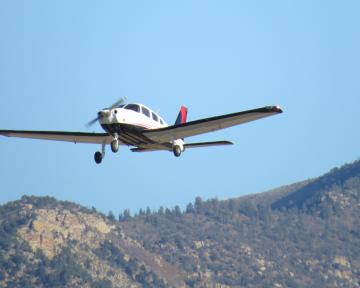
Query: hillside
(302, 235)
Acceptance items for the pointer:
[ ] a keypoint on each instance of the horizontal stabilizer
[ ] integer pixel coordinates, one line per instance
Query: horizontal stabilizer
(139, 149)
(189, 145)
(207, 144)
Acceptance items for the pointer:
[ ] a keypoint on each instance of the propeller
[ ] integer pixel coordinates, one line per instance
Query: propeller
(116, 104)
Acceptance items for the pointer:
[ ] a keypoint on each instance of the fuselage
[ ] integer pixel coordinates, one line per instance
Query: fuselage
(133, 114)
(128, 122)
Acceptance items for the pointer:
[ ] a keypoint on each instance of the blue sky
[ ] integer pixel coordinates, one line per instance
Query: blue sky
(62, 61)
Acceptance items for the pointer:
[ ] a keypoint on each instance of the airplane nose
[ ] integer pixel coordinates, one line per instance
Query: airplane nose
(104, 113)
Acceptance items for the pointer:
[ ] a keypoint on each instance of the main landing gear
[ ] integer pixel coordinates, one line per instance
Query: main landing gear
(115, 145)
(177, 150)
(98, 156)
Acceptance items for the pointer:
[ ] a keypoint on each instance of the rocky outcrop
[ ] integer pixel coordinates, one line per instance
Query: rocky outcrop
(97, 245)
(54, 228)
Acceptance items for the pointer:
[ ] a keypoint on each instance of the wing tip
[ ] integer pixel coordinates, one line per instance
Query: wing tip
(225, 142)
(5, 132)
(276, 109)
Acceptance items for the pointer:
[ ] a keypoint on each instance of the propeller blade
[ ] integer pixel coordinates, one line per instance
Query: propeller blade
(117, 103)
(92, 122)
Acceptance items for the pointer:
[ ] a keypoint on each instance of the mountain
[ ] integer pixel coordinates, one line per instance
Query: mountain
(303, 235)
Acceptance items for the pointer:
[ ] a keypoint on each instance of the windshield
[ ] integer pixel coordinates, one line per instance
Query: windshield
(133, 107)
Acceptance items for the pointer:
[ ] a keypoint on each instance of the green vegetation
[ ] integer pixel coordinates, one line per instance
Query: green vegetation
(256, 241)
(303, 235)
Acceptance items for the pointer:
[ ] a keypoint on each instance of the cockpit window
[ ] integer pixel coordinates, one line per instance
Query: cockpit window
(161, 122)
(133, 107)
(154, 116)
(145, 111)
(120, 106)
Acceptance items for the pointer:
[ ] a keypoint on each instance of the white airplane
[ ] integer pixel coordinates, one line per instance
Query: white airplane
(138, 126)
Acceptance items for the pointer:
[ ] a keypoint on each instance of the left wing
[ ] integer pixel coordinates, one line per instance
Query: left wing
(206, 125)
(75, 137)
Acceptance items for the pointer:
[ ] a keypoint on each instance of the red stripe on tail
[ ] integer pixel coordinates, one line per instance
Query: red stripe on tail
(181, 118)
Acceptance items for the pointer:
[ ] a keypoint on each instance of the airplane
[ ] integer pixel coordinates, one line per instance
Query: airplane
(144, 130)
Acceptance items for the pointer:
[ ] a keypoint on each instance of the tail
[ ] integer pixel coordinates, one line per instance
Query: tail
(181, 118)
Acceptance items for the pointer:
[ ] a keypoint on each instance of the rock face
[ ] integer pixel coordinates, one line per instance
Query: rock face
(60, 244)
(52, 229)
(302, 235)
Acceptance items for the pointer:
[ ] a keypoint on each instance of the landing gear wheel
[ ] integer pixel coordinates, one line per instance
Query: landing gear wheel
(98, 157)
(115, 146)
(177, 151)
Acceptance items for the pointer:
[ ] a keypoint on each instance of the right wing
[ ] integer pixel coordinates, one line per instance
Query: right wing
(206, 125)
(75, 137)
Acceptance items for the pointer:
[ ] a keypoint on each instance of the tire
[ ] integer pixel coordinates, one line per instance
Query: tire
(115, 146)
(177, 151)
(98, 157)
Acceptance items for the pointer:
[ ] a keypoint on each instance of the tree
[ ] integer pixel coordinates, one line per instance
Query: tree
(111, 216)
(190, 208)
(232, 205)
(161, 210)
(248, 208)
(177, 211)
(126, 214)
(198, 204)
(148, 211)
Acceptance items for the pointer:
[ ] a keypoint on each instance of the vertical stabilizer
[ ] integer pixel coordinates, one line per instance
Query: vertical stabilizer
(181, 118)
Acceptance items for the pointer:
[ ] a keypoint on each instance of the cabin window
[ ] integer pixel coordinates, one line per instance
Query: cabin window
(133, 107)
(145, 111)
(154, 116)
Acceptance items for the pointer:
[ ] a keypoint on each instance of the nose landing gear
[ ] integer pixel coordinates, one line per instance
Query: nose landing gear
(115, 144)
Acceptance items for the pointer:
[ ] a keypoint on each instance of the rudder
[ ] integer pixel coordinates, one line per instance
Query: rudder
(181, 118)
